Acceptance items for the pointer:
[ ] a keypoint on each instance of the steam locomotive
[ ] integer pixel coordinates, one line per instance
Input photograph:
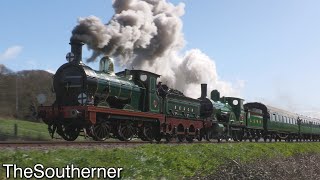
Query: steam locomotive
(103, 104)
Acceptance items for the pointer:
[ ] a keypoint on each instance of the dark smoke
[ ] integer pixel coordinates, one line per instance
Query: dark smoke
(147, 34)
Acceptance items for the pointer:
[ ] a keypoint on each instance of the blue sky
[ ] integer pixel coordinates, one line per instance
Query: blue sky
(274, 46)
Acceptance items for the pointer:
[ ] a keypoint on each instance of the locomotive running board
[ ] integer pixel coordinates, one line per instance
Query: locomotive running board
(92, 110)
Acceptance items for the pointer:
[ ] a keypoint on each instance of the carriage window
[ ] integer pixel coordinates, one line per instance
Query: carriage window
(273, 117)
(285, 119)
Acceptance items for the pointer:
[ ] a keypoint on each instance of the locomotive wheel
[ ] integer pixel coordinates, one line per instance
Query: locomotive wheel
(270, 138)
(208, 135)
(240, 138)
(181, 137)
(199, 137)
(100, 131)
(148, 133)
(169, 138)
(189, 139)
(228, 138)
(256, 139)
(68, 132)
(235, 136)
(125, 132)
(158, 138)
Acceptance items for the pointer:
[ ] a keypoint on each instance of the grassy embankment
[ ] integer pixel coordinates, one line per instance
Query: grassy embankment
(154, 161)
(25, 130)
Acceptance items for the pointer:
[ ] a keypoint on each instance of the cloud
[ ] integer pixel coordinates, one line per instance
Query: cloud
(11, 53)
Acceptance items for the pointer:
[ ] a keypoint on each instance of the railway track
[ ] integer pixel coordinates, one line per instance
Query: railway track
(48, 144)
(35, 144)
(14, 144)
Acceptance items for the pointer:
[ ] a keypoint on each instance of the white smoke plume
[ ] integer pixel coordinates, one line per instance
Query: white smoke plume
(147, 34)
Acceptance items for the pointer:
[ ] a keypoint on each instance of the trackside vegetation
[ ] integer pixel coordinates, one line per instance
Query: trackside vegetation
(159, 160)
(18, 129)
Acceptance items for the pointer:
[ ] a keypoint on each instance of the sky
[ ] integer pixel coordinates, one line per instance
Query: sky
(272, 47)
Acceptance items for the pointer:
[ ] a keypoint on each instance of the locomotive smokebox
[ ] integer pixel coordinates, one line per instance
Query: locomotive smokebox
(203, 91)
(76, 49)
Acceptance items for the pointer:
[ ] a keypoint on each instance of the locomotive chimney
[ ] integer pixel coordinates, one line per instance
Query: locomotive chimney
(76, 49)
(203, 91)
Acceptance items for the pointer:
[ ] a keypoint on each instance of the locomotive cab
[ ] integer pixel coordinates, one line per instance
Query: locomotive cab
(147, 81)
(237, 107)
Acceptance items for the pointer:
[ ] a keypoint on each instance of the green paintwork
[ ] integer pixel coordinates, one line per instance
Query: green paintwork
(254, 120)
(236, 107)
(149, 100)
(279, 122)
(181, 106)
(154, 100)
(309, 128)
(120, 87)
(223, 110)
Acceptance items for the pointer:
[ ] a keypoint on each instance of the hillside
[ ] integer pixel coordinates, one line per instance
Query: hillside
(18, 92)
(5, 70)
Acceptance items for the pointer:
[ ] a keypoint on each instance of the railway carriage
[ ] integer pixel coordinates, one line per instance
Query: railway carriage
(309, 128)
(283, 125)
(254, 124)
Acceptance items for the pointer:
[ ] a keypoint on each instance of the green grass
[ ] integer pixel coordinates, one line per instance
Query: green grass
(26, 129)
(155, 161)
